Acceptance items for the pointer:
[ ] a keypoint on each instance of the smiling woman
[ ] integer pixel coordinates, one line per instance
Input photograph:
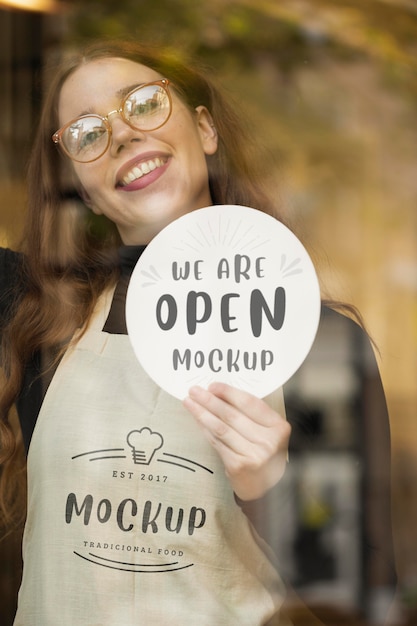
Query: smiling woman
(117, 178)
(129, 141)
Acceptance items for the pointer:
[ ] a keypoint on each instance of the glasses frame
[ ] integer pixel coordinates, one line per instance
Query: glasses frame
(57, 136)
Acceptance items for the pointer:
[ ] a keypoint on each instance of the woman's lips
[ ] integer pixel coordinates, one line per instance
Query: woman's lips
(141, 173)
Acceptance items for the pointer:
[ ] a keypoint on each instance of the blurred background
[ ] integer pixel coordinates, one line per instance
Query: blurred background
(330, 89)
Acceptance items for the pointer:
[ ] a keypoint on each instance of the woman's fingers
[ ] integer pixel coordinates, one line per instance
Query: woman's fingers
(250, 437)
(221, 421)
(250, 405)
(232, 415)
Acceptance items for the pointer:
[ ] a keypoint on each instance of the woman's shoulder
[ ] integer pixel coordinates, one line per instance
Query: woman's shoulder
(342, 335)
(342, 344)
(10, 278)
(342, 318)
(10, 263)
(9, 257)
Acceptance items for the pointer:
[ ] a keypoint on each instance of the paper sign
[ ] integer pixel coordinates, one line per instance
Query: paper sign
(225, 293)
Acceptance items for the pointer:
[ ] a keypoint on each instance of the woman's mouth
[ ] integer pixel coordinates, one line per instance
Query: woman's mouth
(142, 169)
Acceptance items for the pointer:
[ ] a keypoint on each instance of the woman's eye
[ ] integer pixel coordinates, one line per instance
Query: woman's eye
(90, 137)
(141, 108)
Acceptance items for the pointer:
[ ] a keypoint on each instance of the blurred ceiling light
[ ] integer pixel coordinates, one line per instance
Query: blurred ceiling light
(31, 5)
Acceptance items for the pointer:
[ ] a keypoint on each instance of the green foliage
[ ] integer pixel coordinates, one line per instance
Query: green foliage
(290, 33)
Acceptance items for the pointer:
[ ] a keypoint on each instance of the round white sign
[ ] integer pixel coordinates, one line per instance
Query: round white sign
(225, 293)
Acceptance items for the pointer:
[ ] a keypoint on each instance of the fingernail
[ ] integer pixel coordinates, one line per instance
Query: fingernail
(195, 390)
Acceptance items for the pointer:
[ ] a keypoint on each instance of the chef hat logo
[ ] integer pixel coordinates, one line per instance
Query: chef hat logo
(144, 444)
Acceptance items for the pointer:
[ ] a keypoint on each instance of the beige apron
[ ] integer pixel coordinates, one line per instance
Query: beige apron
(130, 517)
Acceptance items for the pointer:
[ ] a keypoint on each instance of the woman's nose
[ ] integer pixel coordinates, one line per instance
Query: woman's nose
(122, 134)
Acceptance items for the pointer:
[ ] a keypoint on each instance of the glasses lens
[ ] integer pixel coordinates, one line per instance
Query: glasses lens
(147, 107)
(86, 138)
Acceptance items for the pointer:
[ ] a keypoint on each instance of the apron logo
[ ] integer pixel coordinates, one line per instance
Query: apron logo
(143, 447)
(144, 444)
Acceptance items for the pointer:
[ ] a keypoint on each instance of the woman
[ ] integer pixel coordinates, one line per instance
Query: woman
(141, 140)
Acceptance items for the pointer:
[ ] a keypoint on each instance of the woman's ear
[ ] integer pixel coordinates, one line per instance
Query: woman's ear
(207, 130)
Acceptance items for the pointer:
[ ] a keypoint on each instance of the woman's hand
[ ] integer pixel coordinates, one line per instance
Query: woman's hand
(250, 437)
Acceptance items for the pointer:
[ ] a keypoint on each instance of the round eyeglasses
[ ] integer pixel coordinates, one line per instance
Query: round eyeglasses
(87, 137)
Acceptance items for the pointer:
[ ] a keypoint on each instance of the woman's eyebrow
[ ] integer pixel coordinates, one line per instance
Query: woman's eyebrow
(125, 90)
(121, 93)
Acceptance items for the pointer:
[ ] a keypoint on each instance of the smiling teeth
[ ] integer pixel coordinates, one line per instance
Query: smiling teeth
(144, 168)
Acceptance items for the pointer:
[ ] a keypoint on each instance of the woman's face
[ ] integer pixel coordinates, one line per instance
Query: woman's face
(178, 184)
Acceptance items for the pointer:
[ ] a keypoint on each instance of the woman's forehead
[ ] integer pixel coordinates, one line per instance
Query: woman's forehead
(96, 82)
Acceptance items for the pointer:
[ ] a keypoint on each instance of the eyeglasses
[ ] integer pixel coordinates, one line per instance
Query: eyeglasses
(87, 137)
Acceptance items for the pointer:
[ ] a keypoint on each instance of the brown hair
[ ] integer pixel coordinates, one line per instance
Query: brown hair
(69, 255)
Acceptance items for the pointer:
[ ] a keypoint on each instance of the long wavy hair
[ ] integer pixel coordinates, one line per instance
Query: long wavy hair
(69, 256)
